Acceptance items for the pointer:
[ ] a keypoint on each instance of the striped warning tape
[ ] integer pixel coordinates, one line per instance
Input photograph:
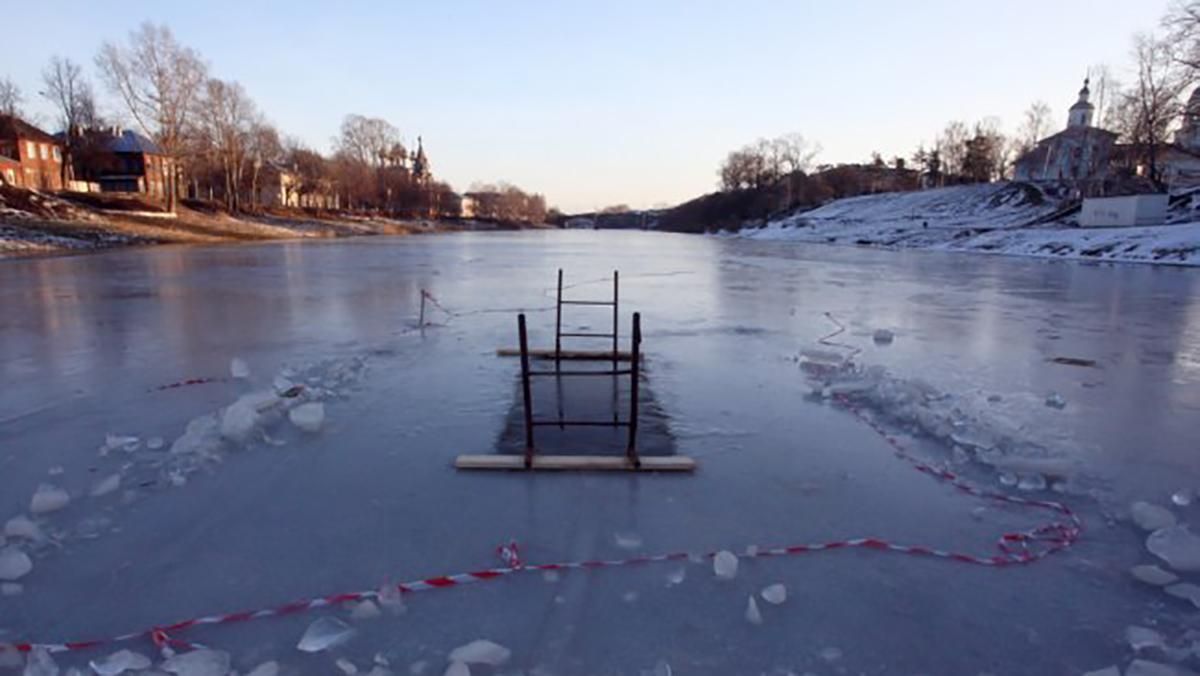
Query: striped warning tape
(1016, 548)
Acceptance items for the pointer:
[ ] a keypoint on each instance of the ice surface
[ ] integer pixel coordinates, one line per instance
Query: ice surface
(629, 597)
(1056, 400)
(774, 594)
(22, 526)
(1186, 591)
(1153, 575)
(119, 663)
(419, 667)
(308, 417)
(238, 368)
(106, 485)
(199, 662)
(1106, 671)
(1143, 638)
(270, 668)
(725, 565)
(14, 564)
(830, 654)
(11, 589)
(457, 669)
(627, 540)
(324, 633)
(1147, 668)
(883, 337)
(40, 664)
(1176, 545)
(481, 651)
(753, 616)
(365, 610)
(48, 498)
(661, 668)
(1150, 517)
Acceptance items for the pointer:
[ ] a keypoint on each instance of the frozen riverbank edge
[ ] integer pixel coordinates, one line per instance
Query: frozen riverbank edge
(991, 219)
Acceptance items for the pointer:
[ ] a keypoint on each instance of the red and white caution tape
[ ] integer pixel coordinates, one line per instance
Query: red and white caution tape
(1017, 548)
(185, 383)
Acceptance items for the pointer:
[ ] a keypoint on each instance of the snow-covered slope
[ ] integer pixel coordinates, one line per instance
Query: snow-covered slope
(1005, 218)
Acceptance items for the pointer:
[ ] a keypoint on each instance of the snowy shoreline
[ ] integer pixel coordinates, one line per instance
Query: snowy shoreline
(991, 219)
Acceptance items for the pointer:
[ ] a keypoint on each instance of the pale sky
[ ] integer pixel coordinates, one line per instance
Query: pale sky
(616, 101)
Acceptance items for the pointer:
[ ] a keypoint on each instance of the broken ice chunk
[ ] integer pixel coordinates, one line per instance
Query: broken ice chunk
(154, 443)
(22, 527)
(323, 634)
(457, 669)
(1148, 668)
(481, 651)
(113, 442)
(199, 662)
(48, 498)
(308, 417)
(1055, 400)
(1186, 591)
(1032, 482)
(1176, 545)
(11, 589)
(883, 337)
(1182, 498)
(661, 668)
(106, 485)
(1107, 671)
(550, 576)
(346, 666)
(1008, 479)
(270, 668)
(753, 616)
(239, 420)
(676, 576)
(830, 654)
(775, 594)
(40, 663)
(725, 565)
(1153, 575)
(390, 597)
(365, 610)
(14, 564)
(119, 663)
(629, 597)
(627, 540)
(417, 668)
(1143, 638)
(1151, 517)
(238, 368)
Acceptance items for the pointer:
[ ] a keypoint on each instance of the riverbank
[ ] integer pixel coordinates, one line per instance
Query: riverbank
(1002, 218)
(33, 223)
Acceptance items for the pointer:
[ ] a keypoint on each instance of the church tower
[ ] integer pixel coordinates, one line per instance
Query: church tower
(420, 163)
(1081, 113)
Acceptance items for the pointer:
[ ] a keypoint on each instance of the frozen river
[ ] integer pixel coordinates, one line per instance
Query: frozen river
(201, 526)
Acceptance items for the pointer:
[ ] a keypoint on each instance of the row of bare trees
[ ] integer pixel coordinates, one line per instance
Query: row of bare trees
(215, 138)
(506, 203)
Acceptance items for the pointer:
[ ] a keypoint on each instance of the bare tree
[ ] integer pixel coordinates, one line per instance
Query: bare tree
(1183, 25)
(71, 93)
(1035, 126)
(263, 148)
(226, 118)
(159, 81)
(952, 147)
(1153, 102)
(1106, 93)
(370, 140)
(10, 98)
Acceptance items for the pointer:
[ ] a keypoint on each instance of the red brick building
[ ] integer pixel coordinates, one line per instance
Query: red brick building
(121, 161)
(37, 156)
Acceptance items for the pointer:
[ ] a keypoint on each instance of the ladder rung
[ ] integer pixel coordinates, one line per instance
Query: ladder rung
(586, 335)
(618, 372)
(579, 423)
(587, 302)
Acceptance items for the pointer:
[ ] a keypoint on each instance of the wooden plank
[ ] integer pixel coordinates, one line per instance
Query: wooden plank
(579, 463)
(577, 355)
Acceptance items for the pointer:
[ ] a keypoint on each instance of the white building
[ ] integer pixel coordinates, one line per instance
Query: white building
(1078, 153)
